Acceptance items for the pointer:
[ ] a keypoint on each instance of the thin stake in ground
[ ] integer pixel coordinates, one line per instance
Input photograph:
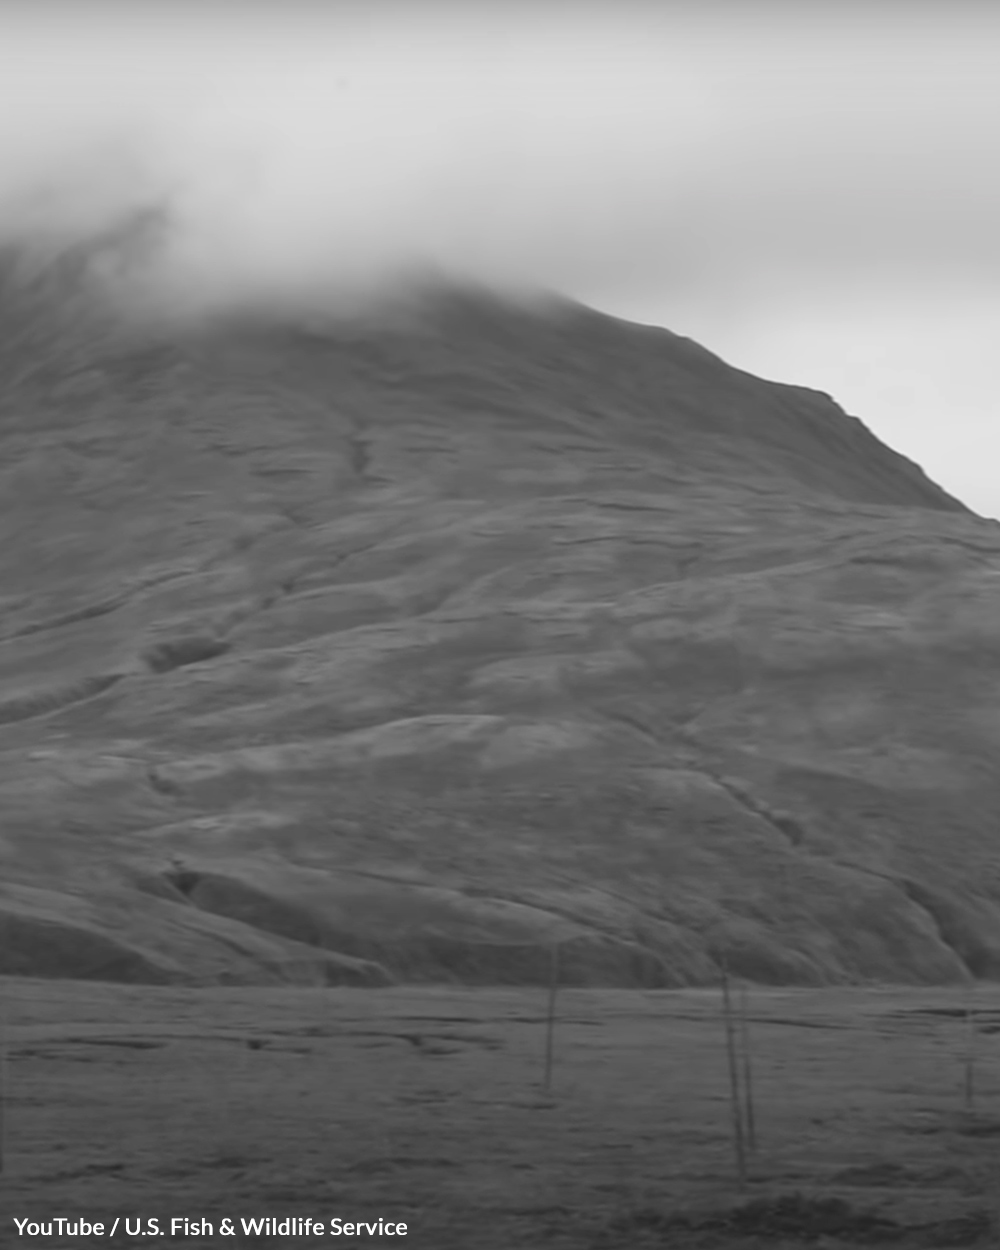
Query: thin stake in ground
(751, 1119)
(734, 1077)
(550, 1023)
(970, 1049)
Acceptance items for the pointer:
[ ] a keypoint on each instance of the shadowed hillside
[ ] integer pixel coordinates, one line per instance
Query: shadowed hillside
(343, 650)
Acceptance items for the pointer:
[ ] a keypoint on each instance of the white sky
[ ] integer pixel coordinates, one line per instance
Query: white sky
(809, 188)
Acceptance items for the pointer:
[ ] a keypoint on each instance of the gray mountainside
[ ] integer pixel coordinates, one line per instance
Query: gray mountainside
(399, 648)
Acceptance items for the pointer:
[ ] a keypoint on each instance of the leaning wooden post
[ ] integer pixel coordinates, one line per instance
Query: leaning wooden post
(734, 1076)
(550, 1023)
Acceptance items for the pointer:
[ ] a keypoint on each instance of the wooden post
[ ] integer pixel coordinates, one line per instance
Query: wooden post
(550, 1024)
(734, 1077)
(751, 1120)
(970, 1050)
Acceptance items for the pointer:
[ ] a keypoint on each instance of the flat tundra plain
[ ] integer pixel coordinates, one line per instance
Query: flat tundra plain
(428, 1106)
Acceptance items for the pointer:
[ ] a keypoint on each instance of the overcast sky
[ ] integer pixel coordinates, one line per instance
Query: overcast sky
(809, 188)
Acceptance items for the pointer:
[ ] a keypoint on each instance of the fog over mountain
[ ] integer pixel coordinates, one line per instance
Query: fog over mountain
(378, 605)
(810, 188)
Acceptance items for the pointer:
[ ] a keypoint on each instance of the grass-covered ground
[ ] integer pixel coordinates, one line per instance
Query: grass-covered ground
(426, 1106)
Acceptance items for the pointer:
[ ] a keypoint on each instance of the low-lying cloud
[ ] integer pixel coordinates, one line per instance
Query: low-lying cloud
(591, 148)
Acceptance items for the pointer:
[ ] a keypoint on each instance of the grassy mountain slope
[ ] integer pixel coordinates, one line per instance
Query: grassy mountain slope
(405, 646)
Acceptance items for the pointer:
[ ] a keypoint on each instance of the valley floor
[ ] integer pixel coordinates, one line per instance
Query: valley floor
(427, 1106)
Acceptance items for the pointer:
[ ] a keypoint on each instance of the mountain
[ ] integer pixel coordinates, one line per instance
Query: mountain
(351, 649)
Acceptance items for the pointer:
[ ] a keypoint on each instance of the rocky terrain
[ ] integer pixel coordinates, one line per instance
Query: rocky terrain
(407, 647)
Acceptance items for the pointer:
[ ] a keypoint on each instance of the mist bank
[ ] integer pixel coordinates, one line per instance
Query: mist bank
(586, 148)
